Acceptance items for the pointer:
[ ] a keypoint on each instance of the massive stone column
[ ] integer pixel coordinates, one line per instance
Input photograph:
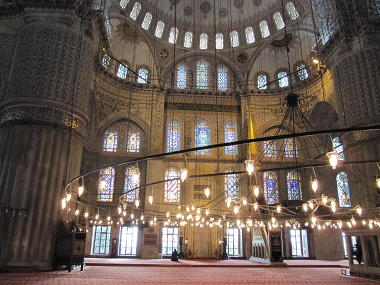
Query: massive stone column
(43, 117)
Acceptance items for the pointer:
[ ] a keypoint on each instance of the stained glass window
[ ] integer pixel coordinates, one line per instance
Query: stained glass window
(173, 35)
(262, 82)
(249, 35)
(135, 11)
(290, 147)
(143, 76)
(283, 80)
(294, 186)
(133, 141)
(264, 29)
(159, 29)
(174, 136)
(231, 185)
(108, 26)
(278, 20)
(132, 181)
(343, 190)
(203, 41)
(291, 9)
(222, 78)
(101, 240)
(202, 75)
(270, 187)
(106, 184)
(172, 187)
(302, 72)
(181, 77)
(230, 135)
(122, 71)
(124, 3)
(338, 147)
(188, 42)
(147, 20)
(234, 39)
(110, 141)
(219, 41)
(270, 149)
(203, 136)
(106, 60)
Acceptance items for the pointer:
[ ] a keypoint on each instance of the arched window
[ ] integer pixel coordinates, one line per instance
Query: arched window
(343, 190)
(203, 136)
(123, 3)
(122, 71)
(302, 72)
(110, 141)
(159, 29)
(264, 29)
(202, 75)
(269, 149)
(249, 35)
(234, 39)
(278, 20)
(270, 187)
(222, 78)
(203, 41)
(231, 185)
(338, 147)
(143, 76)
(283, 80)
(106, 60)
(291, 9)
(262, 82)
(173, 142)
(132, 181)
(219, 41)
(294, 186)
(172, 185)
(108, 26)
(133, 141)
(230, 135)
(147, 20)
(173, 35)
(135, 11)
(106, 184)
(181, 77)
(290, 145)
(188, 42)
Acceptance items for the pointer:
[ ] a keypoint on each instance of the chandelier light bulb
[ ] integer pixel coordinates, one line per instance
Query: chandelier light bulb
(378, 182)
(311, 205)
(255, 206)
(132, 216)
(359, 210)
(244, 201)
(108, 218)
(314, 185)
(333, 158)
(167, 214)
(76, 212)
(250, 166)
(119, 210)
(183, 174)
(68, 197)
(142, 217)
(198, 211)
(313, 219)
(86, 215)
(80, 190)
(137, 203)
(192, 207)
(150, 199)
(63, 203)
(305, 206)
(188, 209)
(256, 191)
(207, 212)
(207, 191)
(228, 203)
(97, 217)
(236, 209)
(278, 209)
(155, 219)
(324, 199)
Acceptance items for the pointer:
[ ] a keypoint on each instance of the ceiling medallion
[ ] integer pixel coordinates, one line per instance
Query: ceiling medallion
(256, 2)
(205, 8)
(164, 53)
(242, 58)
(239, 4)
(223, 13)
(188, 11)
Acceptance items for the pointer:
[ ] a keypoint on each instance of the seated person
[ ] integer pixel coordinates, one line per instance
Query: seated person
(175, 255)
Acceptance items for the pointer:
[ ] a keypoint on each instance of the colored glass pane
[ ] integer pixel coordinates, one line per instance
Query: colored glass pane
(159, 29)
(230, 185)
(131, 183)
(110, 141)
(135, 11)
(173, 137)
(203, 41)
(249, 35)
(181, 77)
(219, 41)
(283, 80)
(294, 186)
(106, 60)
(291, 9)
(290, 147)
(302, 72)
(124, 3)
(106, 184)
(188, 42)
(143, 76)
(269, 149)
(133, 141)
(343, 190)
(262, 82)
(338, 147)
(278, 20)
(264, 29)
(202, 75)
(173, 35)
(147, 20)
(122, 71)
(230, 135)
(222, 78)
(270, 187)
(172, 186)
(203, 136)
(234, 36)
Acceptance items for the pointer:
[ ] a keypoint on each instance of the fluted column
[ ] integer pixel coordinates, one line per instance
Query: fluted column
(43, 120)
